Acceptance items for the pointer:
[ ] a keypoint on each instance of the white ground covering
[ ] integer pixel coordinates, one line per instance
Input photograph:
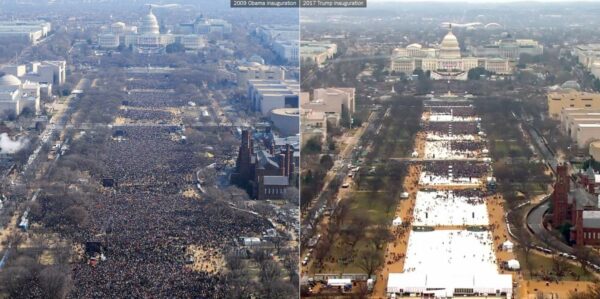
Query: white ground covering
(451, 118)
(449, 263)
(436, 180)
(451, 252)
(441, 150)
(444, 208)
(433, 137)
(446, 263)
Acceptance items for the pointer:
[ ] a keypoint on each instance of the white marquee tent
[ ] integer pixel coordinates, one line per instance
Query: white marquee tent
(448, 285)
(514, 265)
(339, 282)
(507, 246)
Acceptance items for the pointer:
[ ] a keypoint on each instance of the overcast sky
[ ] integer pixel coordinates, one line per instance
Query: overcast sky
(482, 1)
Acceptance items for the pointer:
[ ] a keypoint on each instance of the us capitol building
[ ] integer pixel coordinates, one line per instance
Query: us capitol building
(148, 39)
(445, 62)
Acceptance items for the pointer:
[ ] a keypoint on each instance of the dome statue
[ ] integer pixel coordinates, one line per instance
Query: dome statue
(449, 48)
(149, 24)
(9, 80)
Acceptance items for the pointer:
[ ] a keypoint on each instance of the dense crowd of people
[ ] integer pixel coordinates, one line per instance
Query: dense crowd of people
(147, 115)
(452, 128)
(466, 146)
(467, 111)
(156, 98)
(451, 103)
(156, 81)
(463, 169)
(149, 156)
(144, 221)
(146, 236)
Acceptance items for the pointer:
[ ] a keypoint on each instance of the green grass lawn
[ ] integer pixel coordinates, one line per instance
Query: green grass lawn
(503, 148)
(375, 208)
(542, 264)
(371, 204)
(362, 203)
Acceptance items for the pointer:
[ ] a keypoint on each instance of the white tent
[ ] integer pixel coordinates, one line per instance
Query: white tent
(339, 282)
(397, 221)
(507, 246)
(370, 283)
(404, 195)
(514, 265)
(444, 285)
(251, 241)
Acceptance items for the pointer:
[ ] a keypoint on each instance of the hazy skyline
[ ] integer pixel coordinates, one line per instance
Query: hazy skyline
(482, 1)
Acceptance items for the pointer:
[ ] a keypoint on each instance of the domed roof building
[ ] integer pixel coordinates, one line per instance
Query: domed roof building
(149, 24)
(449, 48)
(16, 95)
(146, 38)
(9, 80)
(444, 62)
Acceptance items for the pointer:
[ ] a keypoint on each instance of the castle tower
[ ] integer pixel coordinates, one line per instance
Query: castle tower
(560, 196)
(245, 155)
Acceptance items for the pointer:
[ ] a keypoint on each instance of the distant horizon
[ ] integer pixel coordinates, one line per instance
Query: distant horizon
(483, 1)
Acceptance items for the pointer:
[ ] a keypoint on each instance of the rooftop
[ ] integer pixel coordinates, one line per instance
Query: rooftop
(276, 180)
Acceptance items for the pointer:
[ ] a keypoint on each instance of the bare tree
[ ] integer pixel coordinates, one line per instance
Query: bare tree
(279, 289)
(322, 250)
(16, 281)
(583, 255)
(355, 230)
(269, 271)
(292, 195)
(76, 215)
(559, 265)
(342, 210)
(55, 282)
(593, 291)
(291, 263)
(380, 236)
(278, 241)
(260, 255)
(15, 238)
(240, 283)
(389, 199)
(234, 262)
(369, 261)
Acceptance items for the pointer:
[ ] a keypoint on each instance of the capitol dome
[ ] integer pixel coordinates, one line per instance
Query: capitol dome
(449, 48)
(118, 25)
(149, 24)
(9, 80)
